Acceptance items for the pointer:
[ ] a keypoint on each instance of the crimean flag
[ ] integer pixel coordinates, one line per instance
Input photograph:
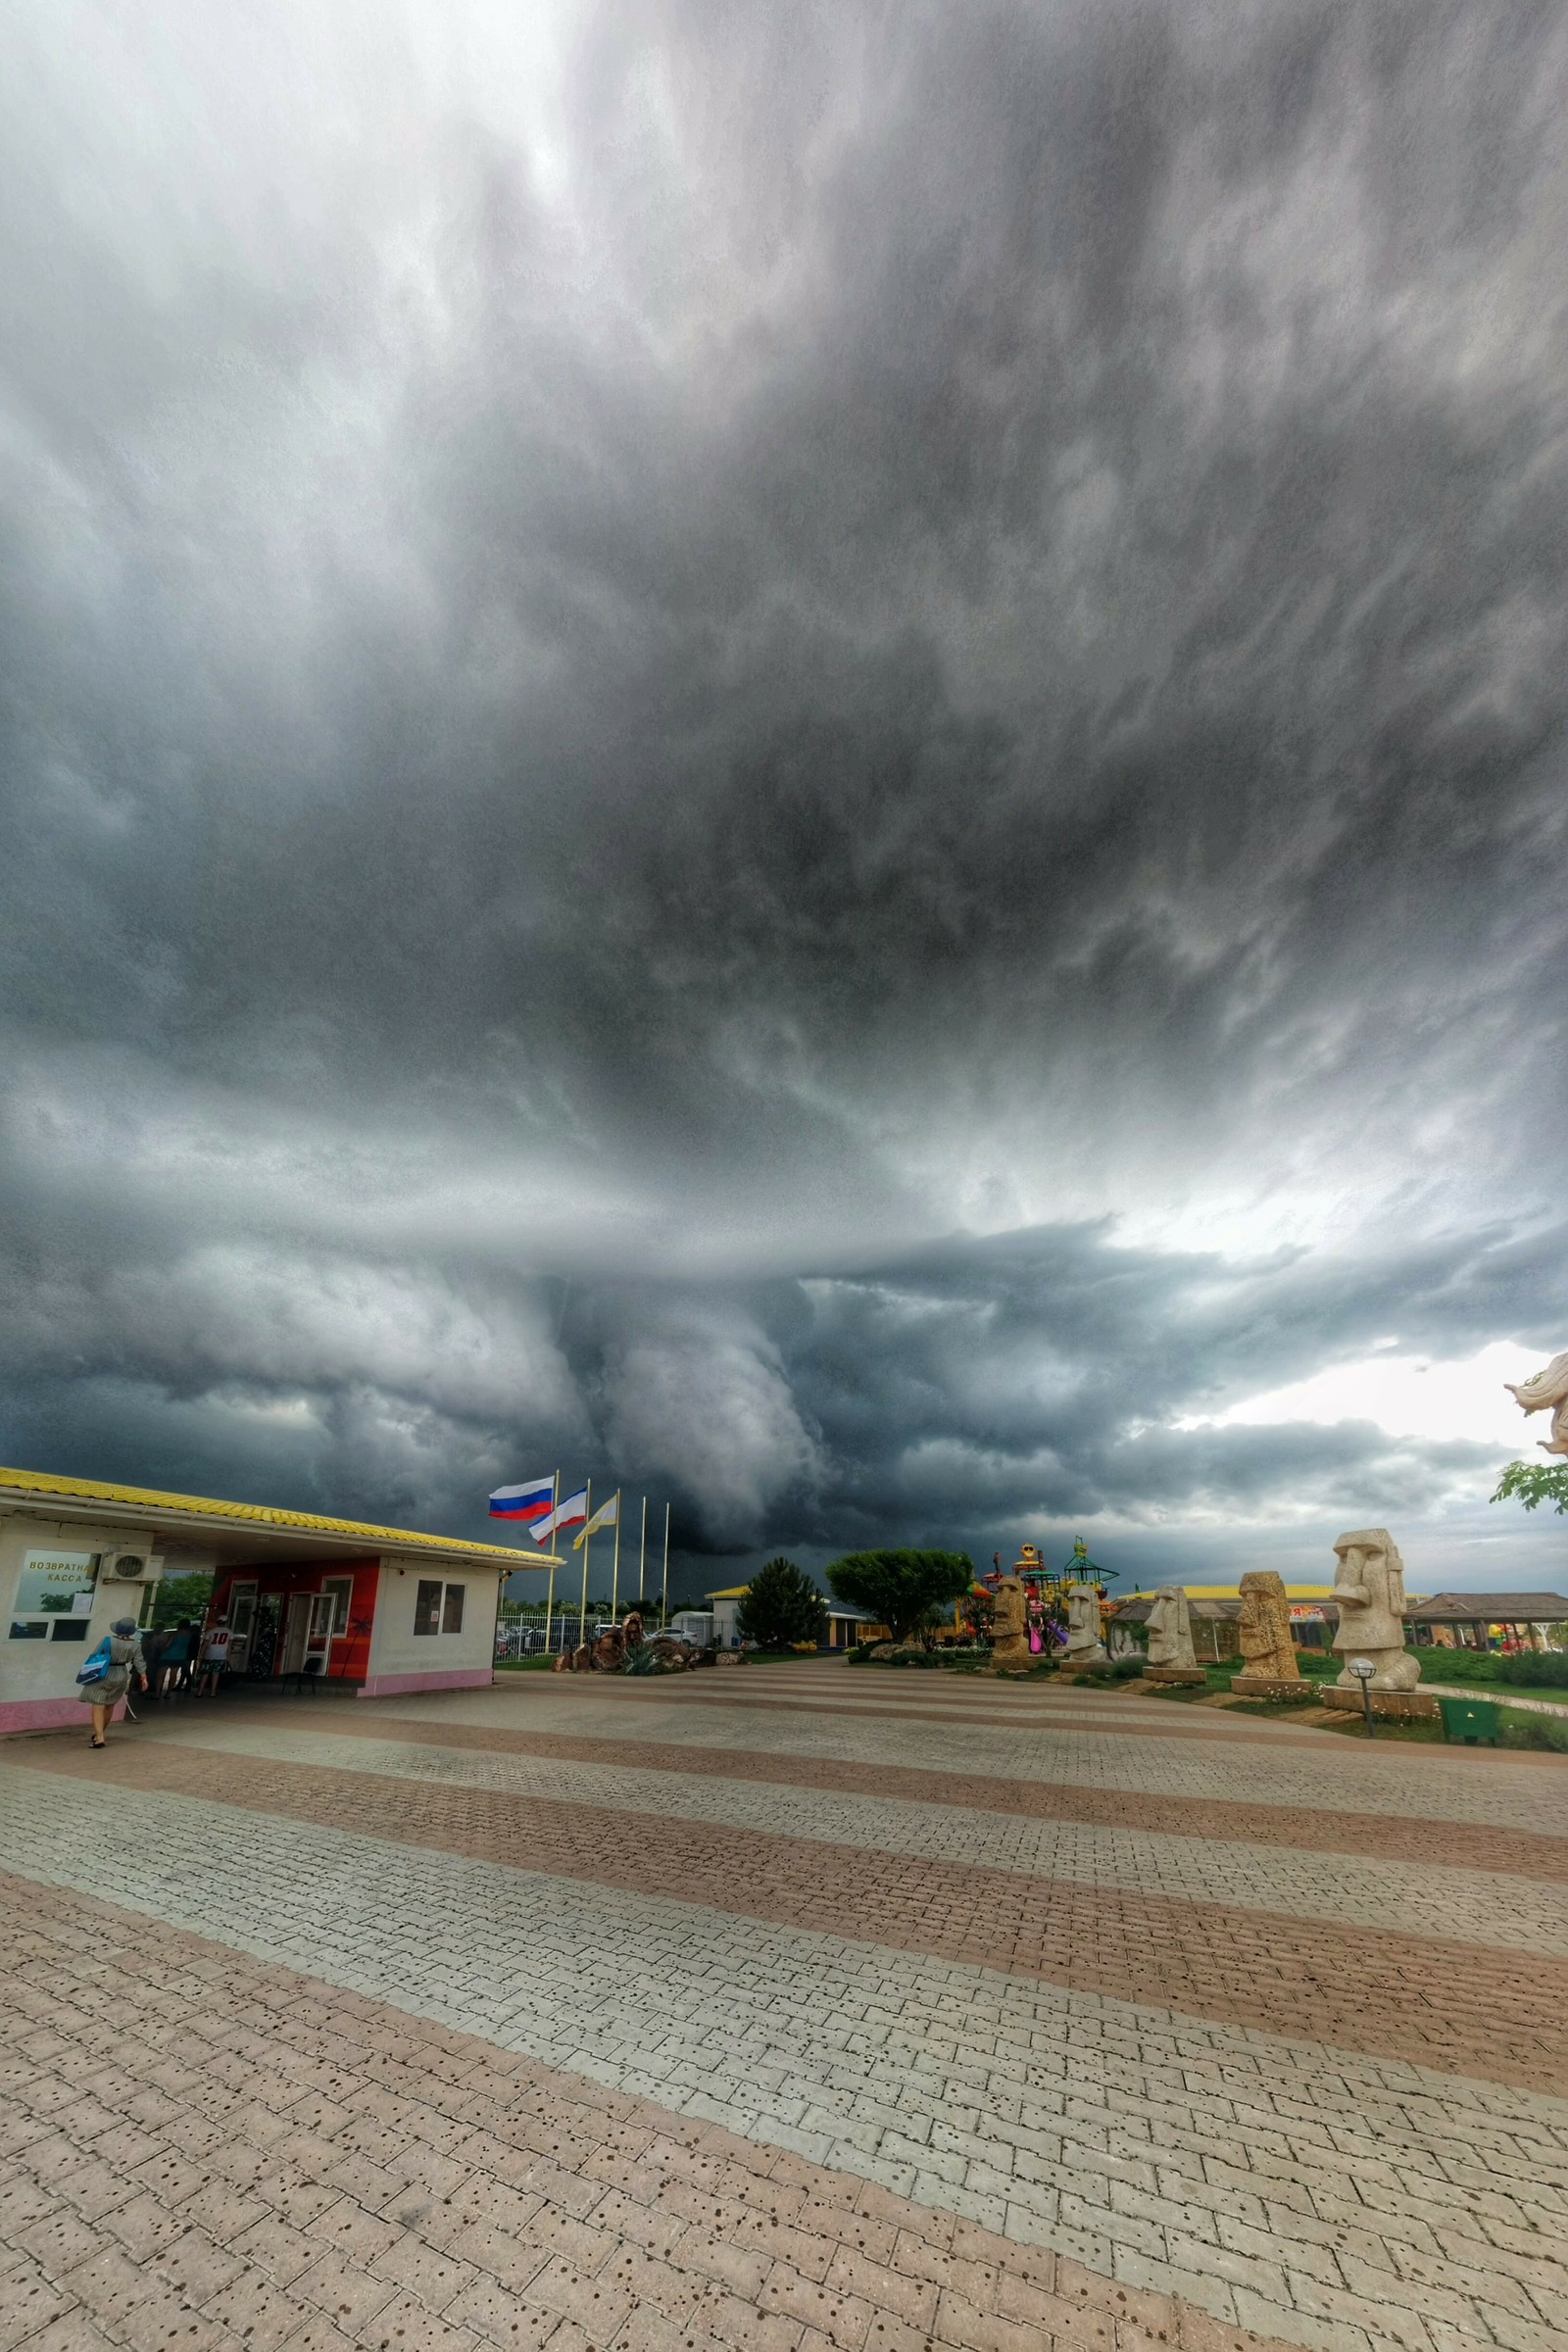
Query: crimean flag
(531, 1501)
(573, 1507)
(606, 1516)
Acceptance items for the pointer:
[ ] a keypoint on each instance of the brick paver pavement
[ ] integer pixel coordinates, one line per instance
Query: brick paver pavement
(778, 2011)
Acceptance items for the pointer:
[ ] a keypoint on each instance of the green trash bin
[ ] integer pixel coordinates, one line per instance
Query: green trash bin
(1470, 1719)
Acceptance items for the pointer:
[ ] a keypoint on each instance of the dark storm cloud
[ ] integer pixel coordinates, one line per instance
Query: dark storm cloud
(664, 650)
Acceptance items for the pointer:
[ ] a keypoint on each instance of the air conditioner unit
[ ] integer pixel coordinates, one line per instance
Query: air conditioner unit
(130, 1566)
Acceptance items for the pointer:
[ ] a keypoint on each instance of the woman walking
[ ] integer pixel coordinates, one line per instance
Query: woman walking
(125, 1659)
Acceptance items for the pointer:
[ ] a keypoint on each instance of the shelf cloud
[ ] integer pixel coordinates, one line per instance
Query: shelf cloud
(812, 756)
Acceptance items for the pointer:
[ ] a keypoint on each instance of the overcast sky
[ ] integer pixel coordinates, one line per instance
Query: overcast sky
(814, 756)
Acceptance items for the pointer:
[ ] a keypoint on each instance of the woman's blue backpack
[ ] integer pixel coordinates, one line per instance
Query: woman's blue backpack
(97, 1666)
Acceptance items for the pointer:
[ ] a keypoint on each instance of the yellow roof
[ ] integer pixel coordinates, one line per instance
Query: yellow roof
(1233, 1592)
(730, 1593)
(256, 1514)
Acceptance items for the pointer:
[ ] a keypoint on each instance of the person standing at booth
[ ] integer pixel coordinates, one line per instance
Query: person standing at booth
(215, 1660)
(179, 1659)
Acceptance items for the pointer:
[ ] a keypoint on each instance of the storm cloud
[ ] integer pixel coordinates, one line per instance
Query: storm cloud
(810, 755)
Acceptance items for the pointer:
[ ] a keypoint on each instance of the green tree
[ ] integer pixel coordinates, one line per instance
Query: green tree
(1534, 1483)
(902, 1589)
(176, 1598)
(782, 1607)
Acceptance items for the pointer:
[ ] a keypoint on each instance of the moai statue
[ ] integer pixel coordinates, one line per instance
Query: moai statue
(1009, 1626)
(1271, 1669)
(1170, 1639)
(1084, 1644)
(1369, 1586)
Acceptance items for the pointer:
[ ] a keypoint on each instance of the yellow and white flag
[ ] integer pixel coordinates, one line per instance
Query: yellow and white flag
(606, 1516)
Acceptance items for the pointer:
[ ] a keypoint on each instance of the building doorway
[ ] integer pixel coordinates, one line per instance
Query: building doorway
(297, 1631)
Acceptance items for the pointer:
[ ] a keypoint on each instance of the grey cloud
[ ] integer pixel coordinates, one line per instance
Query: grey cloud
(679, 651)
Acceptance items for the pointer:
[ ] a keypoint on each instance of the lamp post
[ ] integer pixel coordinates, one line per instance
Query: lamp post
(1364, 1671)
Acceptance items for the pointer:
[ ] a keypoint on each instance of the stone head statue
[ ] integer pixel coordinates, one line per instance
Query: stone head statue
(1369, 1587)
(1083, 1624)
(1008, 1608)
(1170, 1628)
(1265, 1627)
(1549, 1388)
(1009, 1623)
(1369, 1581)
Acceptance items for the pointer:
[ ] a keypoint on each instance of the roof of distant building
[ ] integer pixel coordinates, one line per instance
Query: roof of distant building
(1495, 1608)
(835, 1608)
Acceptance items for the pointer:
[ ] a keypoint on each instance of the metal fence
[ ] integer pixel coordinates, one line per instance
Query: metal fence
(521, 1634)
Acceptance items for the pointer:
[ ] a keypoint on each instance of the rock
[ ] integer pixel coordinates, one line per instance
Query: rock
(675, 1657)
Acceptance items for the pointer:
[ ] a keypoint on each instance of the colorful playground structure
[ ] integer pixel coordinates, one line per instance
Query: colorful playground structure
(1048, 1596)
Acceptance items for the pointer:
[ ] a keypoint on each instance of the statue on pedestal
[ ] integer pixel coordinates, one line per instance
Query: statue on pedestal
(1084, 1644)
(1171, 1658)
(1369, 1586)
(1271, 1666)
(1009, 1624)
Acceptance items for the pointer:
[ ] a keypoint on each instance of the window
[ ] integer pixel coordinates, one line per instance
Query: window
(439, 1608)
(53, 1596)
(341, 1589)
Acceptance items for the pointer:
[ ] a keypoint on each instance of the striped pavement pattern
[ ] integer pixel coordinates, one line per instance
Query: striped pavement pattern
(779, 2010)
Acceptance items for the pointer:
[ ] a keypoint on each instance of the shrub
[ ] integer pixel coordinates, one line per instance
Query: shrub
(902, 1589)
(1534, 1670)
(1522, 1730)
(781, 1606)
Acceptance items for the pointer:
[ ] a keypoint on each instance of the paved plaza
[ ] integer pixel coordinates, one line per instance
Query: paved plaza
(793, 2009)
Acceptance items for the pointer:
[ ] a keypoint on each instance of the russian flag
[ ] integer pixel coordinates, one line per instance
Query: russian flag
(531, 1501)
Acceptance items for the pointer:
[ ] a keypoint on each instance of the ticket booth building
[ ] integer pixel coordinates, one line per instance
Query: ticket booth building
(376, 1610)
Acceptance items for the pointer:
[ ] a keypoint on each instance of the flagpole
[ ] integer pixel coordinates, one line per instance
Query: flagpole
(550, 1597)
(587, 1550)
(615, 1573)
(664, 1613)
(642, 1558)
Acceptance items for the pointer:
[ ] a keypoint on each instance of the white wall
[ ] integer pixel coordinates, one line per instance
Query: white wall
(47, 1670)
(395, 1646)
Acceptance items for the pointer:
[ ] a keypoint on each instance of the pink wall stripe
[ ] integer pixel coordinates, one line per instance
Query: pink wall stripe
(452, 1678)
